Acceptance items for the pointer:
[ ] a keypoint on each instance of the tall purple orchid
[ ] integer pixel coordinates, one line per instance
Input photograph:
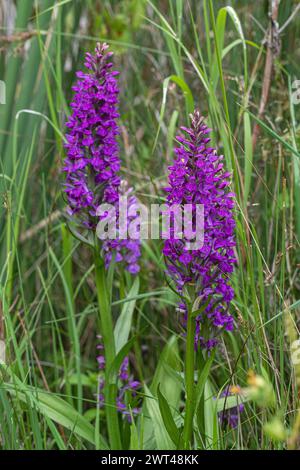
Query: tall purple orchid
(92, 178)
(202, 275)
(198, 177)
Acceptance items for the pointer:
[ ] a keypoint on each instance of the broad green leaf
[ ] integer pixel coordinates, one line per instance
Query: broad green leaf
(210, 416)
(117, 362)
(134, 437)
(123, 324)
(168, 419)
(167, 374)
(202, 379)
(163, 441)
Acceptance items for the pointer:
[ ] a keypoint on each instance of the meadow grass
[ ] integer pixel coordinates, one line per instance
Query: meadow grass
(173, 56)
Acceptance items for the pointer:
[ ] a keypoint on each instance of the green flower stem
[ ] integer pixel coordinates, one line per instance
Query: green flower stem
(110, 391)
(189, 380)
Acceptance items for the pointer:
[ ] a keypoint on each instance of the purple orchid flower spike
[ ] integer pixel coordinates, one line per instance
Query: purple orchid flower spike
(92, 164)
(197, 176)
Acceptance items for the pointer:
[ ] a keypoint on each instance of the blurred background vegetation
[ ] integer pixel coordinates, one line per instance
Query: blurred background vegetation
(236, 61)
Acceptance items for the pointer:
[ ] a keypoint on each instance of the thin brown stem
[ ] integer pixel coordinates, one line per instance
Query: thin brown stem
(273, 49)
